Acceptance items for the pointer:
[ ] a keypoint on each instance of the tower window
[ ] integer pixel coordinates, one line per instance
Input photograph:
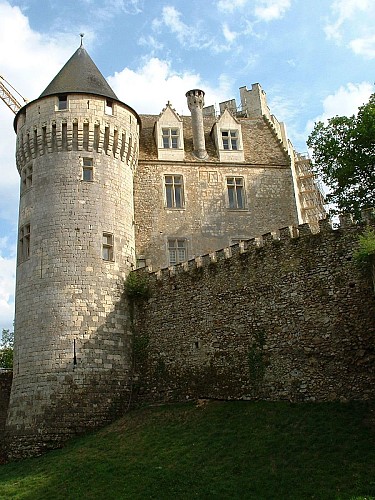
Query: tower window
(170, 138)
(63, 102)
(24, 243)
(27, 177)
(235, 187)
(177, 251)
(108, 107)
(107, 246)
(230, 139)
(174, 191)
(87, 169)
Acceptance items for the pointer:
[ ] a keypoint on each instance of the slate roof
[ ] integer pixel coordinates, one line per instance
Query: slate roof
(79, 75)
(261, 147)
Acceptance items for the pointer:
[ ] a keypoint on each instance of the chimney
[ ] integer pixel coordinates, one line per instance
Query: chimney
(195, 101)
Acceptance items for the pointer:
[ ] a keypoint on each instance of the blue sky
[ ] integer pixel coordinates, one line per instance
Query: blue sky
(314, 58)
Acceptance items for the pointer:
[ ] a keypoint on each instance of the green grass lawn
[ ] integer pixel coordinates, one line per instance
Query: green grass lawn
(218, 450)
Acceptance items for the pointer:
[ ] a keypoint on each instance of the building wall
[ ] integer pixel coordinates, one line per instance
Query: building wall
(292, 319)
(71, 338)
(206, 221)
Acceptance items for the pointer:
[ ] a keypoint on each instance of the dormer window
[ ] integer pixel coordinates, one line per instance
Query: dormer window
(230, 139)
(63, 102)
(170, 138)
(169, 135)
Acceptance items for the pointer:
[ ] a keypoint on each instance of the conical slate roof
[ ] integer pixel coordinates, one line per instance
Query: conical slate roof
(79, 75)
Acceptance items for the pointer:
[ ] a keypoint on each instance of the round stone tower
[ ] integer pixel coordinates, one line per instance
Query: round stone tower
(77, 147)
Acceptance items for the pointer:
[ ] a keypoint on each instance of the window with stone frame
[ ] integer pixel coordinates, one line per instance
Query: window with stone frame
(24, 243)
(107, 247)
(230, 140)
(108, 107)
(235, 189)
(177, 250)
(170, 138)
(87, 169)
(27, 177)
(63, 102)
(174, 191)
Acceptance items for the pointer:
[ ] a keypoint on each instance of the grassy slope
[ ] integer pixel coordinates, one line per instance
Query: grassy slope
(218, 450)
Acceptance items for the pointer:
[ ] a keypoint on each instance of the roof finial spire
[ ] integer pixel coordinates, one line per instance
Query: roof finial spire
(81, 35)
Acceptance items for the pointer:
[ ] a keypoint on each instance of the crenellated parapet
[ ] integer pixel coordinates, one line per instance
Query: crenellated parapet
(43, 130)
(278, 131)
(285, 316)
(265, 241)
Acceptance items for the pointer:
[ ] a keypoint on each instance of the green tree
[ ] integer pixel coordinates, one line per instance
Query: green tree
(6, 349)
(344, 158)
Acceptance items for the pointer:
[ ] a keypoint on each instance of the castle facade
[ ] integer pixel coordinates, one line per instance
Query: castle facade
(104, 191)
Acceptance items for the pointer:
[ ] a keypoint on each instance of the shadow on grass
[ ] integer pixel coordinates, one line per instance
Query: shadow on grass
(223, 450)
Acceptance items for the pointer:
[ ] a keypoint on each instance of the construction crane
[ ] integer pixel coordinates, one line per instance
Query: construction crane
(8, 97)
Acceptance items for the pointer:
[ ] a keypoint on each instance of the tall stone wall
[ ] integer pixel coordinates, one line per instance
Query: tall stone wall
(290, 319)
(5, 385)
(76, 247)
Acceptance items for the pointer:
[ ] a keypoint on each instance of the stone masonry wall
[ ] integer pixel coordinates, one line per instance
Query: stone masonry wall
(72, 344)
(291, 319)
(205, 220)
(5, 385)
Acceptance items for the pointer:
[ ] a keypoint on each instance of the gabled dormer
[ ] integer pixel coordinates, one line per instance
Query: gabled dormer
(169, 136)
(228, 138)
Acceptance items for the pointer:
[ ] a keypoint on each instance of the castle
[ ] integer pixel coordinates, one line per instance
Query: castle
(105, 191)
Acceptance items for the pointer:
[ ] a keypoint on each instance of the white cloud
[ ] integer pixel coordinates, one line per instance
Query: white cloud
(155, 83)
(230, 5)
(349, 20)
(189, 36)
(229, 35)
(265, 10)
(344, 102)
(364, 46)
(28, 61)
(343, 10)
(7, 278)
(30, 75)
(268, 10)
(110, 8)
(172, 19)
(284, 109)
(150, 42)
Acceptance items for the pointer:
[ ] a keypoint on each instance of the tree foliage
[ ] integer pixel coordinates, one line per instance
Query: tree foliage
(366, 247)
(344, 158)
(6, 349)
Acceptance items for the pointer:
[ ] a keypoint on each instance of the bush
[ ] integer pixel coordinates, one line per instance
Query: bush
(366, 247)
(6, 349)
(136, 286)
(6, 358)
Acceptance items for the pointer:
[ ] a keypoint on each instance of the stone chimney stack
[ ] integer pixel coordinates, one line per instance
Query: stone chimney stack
(195, 101)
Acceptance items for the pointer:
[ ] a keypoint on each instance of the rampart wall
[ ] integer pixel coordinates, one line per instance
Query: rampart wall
(5, 386)
(287, 318)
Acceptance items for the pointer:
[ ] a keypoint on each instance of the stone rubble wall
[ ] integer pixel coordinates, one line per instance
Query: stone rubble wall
(5, 385)
(287, 316)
